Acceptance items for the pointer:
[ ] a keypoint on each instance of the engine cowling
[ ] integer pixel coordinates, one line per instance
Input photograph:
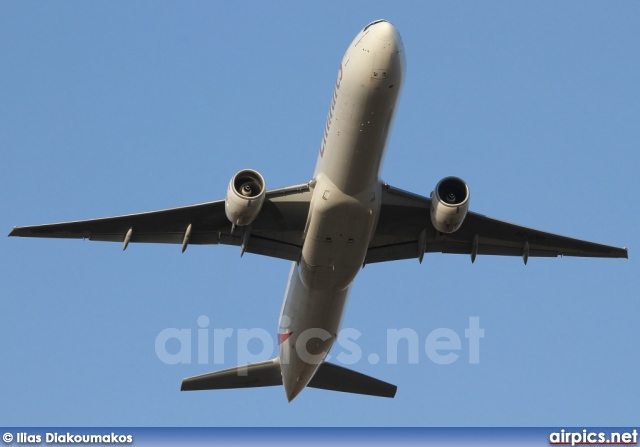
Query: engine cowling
(449, 204)
(245, 196)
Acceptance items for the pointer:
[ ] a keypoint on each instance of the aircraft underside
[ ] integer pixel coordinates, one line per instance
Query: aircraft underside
(331, 226)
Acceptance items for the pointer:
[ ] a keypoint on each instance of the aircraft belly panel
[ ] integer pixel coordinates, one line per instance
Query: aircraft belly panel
(338, 236)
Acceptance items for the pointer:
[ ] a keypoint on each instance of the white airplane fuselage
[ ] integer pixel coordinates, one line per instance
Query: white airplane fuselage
(345, 204)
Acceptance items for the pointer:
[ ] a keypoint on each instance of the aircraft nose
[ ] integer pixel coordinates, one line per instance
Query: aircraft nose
(385, 31)
(386, 39)
(389, 51)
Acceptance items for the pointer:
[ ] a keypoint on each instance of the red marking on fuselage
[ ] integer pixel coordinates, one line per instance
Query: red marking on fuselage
(283, 337)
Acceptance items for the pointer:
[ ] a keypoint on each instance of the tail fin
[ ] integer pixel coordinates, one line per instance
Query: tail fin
(328, 377)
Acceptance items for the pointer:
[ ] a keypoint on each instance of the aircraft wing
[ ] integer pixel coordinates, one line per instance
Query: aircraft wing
(276, 232)
(404, 229)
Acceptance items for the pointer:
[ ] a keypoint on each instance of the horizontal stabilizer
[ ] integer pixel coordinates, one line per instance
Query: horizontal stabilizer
(247, 376)
(328, 377)
(336, 378)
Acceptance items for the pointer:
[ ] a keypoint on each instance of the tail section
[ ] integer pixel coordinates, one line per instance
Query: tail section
(336, 378)
(328, 377)
(248, 376)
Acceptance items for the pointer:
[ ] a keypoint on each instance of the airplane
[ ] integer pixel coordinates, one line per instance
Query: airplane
(331, 226)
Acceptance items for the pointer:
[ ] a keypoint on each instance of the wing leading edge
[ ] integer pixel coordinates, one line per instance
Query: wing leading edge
(405, 231)
(276, 232)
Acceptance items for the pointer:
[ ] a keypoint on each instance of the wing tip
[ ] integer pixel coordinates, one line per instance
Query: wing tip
(393, 392)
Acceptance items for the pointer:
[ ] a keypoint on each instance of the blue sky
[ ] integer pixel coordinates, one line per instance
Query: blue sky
(114, 108)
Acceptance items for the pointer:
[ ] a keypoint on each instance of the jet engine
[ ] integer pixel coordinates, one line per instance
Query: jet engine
(449, 204)
(245, 197)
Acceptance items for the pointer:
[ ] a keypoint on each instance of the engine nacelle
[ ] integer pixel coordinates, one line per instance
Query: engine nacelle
(449, 204)
(245, 196)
